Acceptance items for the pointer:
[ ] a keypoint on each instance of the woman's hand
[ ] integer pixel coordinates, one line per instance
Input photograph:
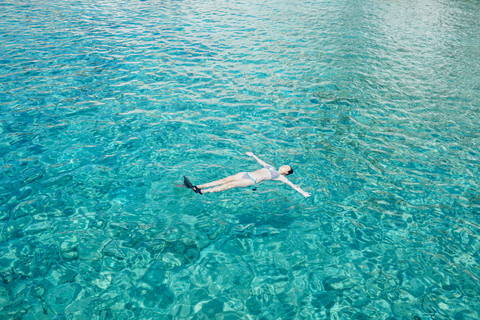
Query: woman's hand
(306, 194)
(249, 154)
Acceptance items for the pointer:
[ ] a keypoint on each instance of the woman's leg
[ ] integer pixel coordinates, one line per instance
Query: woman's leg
(229, 185)
(237, 176)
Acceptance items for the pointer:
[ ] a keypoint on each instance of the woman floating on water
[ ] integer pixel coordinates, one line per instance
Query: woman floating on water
(246, 179)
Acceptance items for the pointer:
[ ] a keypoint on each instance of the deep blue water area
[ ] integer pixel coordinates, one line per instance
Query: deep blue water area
(104, 105)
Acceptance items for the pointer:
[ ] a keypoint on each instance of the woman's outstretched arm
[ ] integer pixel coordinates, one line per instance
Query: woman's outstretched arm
(260, 161)
(297, 188)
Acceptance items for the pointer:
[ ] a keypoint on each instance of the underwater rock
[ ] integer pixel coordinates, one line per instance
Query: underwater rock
(65, 275)
(113, 249)
(4, 296)
(69, 248)
(113, 263)
(24, 208)
(4, 213)
(183, 311)
(337, 284)
(22, 268)
(253, 306)
(153, 296)
(155, 275)
(212, 308)
(59, 297)
(38, 228)
(36, 312)
(323, 299)
(89, 252)
(417, 289)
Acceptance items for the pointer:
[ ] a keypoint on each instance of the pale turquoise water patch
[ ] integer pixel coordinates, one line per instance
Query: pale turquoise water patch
(105, 104)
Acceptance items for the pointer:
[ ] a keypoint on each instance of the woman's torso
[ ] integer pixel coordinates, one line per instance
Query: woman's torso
(266, 173)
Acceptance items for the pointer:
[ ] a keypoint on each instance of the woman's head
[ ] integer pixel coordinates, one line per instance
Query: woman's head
(285, 170)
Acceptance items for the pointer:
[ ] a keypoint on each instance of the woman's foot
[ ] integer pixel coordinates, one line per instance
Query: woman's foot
(197, 189)
(189, 185)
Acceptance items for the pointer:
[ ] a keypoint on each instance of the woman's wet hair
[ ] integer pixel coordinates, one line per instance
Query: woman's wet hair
(290, 171)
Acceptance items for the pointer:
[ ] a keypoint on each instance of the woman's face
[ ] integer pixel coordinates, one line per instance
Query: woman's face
(284, 169)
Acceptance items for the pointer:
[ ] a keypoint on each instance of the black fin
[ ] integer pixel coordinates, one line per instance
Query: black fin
(187, 183)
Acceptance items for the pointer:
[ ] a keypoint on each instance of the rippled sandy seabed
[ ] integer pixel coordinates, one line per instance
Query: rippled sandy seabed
(105, 104)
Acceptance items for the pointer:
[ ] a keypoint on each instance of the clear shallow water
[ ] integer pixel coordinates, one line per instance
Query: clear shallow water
(105, 104)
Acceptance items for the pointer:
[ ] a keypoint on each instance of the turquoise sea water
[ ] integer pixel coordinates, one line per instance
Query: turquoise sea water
(105, 104)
